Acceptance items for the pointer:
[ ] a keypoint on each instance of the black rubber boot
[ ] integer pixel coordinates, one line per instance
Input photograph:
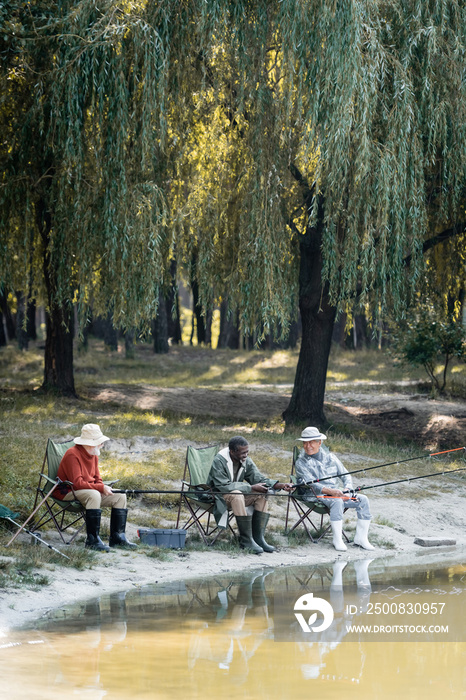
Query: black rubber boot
(245, 534)
(259, 523)
(117, 529)
(93, 540)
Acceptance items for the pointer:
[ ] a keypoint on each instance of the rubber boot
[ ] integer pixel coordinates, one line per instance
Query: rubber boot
(363, 581)
(336, 587)
(337, 529)
(117, 529)
(246, 541)
(360, 538)
(259, 523)
(93, 540)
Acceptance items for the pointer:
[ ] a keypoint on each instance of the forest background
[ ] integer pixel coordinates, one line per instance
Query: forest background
(277, 155)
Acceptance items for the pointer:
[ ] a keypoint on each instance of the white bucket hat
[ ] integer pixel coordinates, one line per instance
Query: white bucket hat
(91, 435)
(311, 434)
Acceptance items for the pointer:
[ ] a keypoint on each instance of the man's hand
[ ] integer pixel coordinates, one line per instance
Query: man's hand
(283, 487)
(259, 488)
(107, 490)
(332, 492)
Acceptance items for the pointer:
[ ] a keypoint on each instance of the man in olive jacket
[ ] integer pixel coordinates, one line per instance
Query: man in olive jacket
(241, 484)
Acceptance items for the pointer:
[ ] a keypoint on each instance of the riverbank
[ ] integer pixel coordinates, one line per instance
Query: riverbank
(397, 522)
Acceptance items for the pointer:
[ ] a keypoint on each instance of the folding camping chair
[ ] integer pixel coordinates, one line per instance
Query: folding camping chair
(305, 508)
(196, 470)
(63, 514)
(47, 509)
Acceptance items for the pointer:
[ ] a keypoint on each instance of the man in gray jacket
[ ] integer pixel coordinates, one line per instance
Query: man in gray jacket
(316, 462)
(241, 484)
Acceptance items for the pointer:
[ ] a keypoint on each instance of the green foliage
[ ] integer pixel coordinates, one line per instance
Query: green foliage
(428, 340)
(123, 125)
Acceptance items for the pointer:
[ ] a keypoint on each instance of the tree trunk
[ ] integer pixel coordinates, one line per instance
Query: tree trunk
(201, 330)
(2, 332)
(21, 332)
(58, 358)
(208, 328)
(229, 332)
(129, 344)
(173, 308)
(160, 327)
(31, 328)
(102, 327)
(9, 322)
(318, 318)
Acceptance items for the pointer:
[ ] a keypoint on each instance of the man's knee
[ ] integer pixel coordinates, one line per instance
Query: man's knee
(235, 502)
(114, 500)
(89, 498)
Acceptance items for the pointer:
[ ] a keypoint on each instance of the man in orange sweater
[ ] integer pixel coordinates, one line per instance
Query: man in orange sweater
(81, 480)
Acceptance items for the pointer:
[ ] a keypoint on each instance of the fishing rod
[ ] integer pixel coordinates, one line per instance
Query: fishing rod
(197, 494)
(412, 478)
(387, 464)
(36, 536)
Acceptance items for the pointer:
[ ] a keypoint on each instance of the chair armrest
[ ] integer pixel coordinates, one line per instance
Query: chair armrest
(54, 481)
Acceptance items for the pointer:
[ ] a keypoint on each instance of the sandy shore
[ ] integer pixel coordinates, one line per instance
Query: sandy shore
(397, 520)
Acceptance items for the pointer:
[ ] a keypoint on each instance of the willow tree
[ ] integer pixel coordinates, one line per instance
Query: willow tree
(307, 149)
(82, 210)
(332, 147)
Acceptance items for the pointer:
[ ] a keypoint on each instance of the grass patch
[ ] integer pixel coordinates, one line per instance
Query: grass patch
(300, 537)
(380, 520)
(160, 553)
(19, 573)
(152, 444)
(381, 543)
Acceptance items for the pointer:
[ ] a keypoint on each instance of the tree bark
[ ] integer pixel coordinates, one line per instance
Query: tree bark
(129, 343)
(21, 332)
(9, 322)
(229, 332)
(31, 328)
(201, 330)
(318, 318)
(160, 327)
(58, 357)
(173, 308)
(2, 332)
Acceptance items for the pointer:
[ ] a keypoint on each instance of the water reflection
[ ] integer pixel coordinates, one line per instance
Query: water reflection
(199, 639)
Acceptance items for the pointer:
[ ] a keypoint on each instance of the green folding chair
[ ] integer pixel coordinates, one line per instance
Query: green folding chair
(47, 509)
(304, 509)
(200, 507)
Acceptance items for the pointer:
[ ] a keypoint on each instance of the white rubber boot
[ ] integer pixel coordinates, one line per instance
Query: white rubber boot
(336, 587)
(360, 538)
(337, 529)
(361, 567)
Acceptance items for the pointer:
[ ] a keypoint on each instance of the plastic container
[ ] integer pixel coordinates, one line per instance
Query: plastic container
(172, 539)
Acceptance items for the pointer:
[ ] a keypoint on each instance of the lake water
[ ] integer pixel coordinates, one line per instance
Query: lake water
(239, 635)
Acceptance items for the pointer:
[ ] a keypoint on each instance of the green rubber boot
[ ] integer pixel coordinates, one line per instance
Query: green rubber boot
(259, 523)
(246, 540)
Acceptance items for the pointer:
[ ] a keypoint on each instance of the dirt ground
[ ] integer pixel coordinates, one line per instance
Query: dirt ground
(399, 515)
(431, 423)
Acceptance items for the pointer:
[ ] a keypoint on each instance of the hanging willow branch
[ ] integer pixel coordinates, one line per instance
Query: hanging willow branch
(133, 124)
